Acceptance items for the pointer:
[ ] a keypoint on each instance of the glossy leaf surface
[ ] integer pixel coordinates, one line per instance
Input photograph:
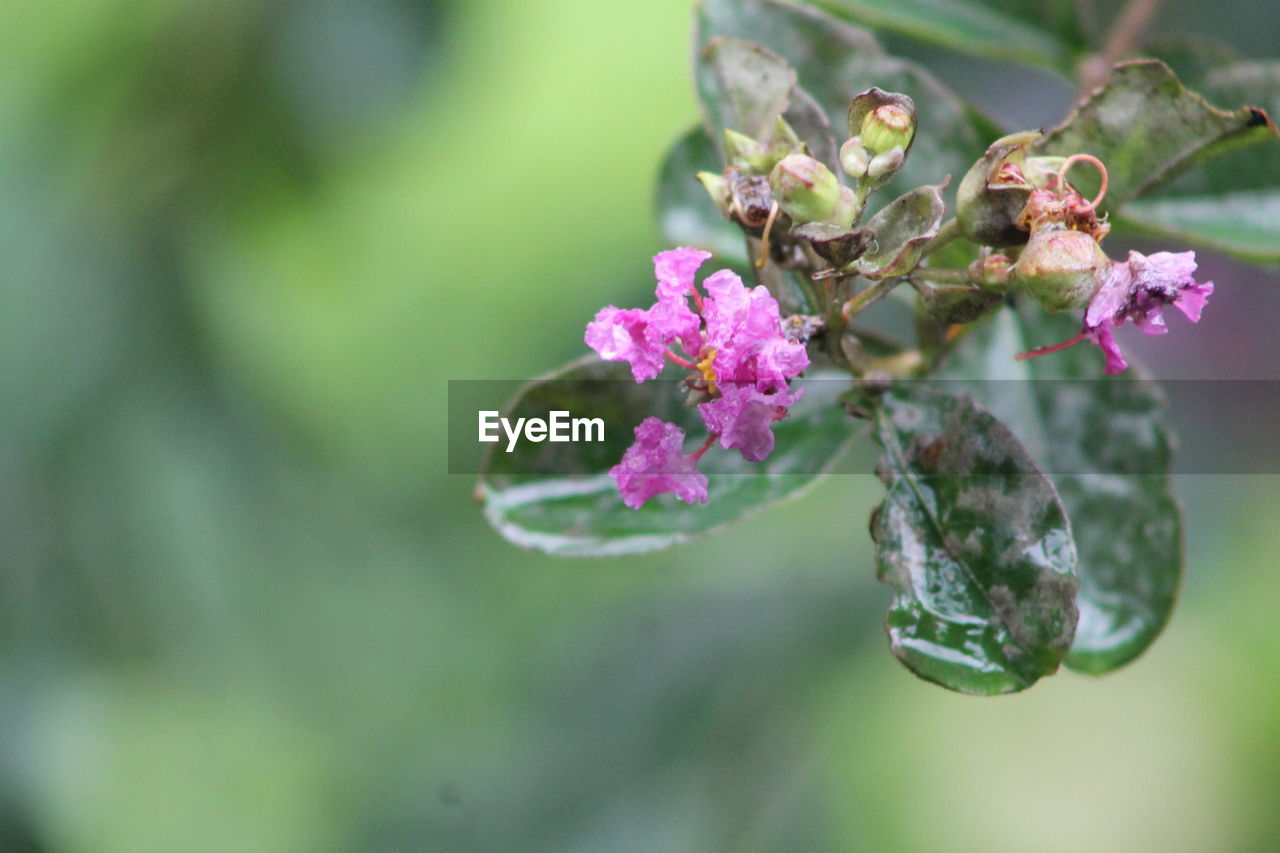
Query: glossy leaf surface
(560, 499)
(974, 542)
(1105, 443)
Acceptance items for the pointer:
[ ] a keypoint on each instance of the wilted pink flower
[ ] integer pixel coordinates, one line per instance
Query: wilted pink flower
(1138, 291)
(657, 463)
(743, 416)
(745, 331)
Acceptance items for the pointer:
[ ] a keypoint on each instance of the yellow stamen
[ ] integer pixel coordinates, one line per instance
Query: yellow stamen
(708, 375)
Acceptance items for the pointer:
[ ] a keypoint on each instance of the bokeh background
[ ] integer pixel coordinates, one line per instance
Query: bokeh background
(243, 247)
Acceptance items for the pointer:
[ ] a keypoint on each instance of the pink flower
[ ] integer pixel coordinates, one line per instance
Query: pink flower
(1138, 291)
(642, 337)
(741, 361)
(745, 331)
(657, 463)
(743, 416)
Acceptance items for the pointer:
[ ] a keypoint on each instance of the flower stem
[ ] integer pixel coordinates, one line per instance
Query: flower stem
(1039, 351)
(942, 276)
(949, 231)
(706, 445)
(868, 297)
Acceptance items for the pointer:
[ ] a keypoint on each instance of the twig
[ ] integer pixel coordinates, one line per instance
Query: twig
(1125, 34)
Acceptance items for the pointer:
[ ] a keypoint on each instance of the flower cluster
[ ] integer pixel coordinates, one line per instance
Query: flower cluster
(741, 360)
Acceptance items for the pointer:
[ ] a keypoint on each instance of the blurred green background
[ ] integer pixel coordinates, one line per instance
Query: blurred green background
(245, 244)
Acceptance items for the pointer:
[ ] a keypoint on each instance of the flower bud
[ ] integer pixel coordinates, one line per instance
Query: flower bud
(809, 192)
(884, 120)
(992, 271)
(886, 127)
(744, 152)
(1060, 268)
(854, 158)
(886, 164)
(718, 188)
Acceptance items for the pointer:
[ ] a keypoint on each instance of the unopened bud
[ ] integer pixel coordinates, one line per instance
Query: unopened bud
(888, 126)
(809, 192)
(991, 271)
(1061, 269)
(743, 151)
(718, 188)
(886, 163)
(854, 158)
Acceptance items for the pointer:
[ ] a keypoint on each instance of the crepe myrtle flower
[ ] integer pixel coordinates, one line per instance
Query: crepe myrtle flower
(741, 363)
(1138, 291)
(657, 463)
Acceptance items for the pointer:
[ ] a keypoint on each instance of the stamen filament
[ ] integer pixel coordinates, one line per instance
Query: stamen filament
(764, 238)
(683, 362)
(1097, 164)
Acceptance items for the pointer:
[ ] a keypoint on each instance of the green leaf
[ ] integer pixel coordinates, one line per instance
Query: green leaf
(560, 499)
(1020, 31)
(835, 61)
(1147, 128)
(974, 542)
(686, 215)
(742, 86)
(901, 229)
(1105, 442)
(1230, 204)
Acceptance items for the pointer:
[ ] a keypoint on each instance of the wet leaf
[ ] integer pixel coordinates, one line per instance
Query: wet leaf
(686, 214)
(1105, 442)
(1148, 128)
(560, 499)
(1231, 204)
(836, 61)
(974, 542)
(901, 229)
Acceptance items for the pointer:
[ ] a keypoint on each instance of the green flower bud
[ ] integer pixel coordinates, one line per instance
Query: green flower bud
(1060, 268)
(784, 141)
(743, 151)
(886, 164)
(854, 158)
(718, 188)
(884, 120)
(809, 192)
(888, 126)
